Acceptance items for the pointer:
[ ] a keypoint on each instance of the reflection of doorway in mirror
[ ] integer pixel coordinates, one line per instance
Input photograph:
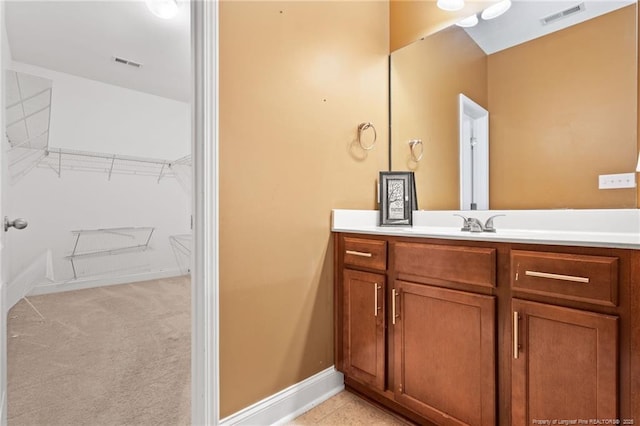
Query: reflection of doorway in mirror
(474, 155)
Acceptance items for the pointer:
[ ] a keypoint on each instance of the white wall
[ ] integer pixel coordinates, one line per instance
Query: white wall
(83, 200)
(88, 115)
(92, 116)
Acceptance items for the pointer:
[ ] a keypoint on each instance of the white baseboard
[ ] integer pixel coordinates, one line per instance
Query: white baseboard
(3, 409)
(85, 283)
(39, 270)
(291, 402)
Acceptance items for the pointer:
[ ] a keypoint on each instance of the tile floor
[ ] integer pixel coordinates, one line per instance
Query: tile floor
(346, 409)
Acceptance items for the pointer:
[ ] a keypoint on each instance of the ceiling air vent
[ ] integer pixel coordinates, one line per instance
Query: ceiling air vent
(127, 62)
(562, 14)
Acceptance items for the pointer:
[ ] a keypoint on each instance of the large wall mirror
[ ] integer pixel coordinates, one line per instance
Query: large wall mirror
(561, 98)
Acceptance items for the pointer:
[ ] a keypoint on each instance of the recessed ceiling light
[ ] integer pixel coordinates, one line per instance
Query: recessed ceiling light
(496, 10)
(165, 9)
(450, 5)
(468, 22)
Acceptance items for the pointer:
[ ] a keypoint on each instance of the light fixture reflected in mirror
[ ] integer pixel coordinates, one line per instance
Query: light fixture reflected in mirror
(496, 10)
(489, 13)
(450, 5)
(165, 9)
(468, 22)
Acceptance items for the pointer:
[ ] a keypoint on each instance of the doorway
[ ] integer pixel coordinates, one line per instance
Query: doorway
(474, 155)
(205, 24)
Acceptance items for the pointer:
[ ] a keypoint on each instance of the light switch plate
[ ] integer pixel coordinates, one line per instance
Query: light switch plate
(620, 180)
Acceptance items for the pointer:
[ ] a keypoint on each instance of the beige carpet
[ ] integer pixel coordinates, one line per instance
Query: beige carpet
(115, 355)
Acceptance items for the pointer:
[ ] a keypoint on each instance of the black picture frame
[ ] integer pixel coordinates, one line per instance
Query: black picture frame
(414, 194)
(397, 198)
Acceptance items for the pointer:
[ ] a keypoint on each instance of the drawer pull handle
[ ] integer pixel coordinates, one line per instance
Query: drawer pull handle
(516, 346)
(557, 276)
(376, 287)
(358, 253)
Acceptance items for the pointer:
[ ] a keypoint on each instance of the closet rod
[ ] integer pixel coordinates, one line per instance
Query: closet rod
(106, 156)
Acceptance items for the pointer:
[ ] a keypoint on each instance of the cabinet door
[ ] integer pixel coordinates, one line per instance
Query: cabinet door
(564, 365)
(445, 365)
(364, 337)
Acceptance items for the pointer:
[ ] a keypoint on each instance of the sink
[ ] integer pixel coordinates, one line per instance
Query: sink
(599, 228)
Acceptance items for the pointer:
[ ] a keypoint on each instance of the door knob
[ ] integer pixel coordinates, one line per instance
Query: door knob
(16, 223)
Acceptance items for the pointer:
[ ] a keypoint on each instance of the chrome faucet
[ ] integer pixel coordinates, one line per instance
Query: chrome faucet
(472, 224)
(465, 224)
(488, 226)
(475, 225)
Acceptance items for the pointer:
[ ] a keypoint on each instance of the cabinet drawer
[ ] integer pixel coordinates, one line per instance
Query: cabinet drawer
(583, 278)
(365, 253)
(468, 265)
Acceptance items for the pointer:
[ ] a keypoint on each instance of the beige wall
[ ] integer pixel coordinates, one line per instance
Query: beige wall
(296, 78)
(547, 152)
(571, 182)
(411, 20)
(426, 78)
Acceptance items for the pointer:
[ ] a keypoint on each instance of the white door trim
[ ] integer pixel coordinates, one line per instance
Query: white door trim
(204, 287)
(473, 122)
(3, 264)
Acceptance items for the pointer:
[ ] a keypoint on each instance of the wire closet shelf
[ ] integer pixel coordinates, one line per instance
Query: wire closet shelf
(95, 246)
(59, 159)
(27, 140)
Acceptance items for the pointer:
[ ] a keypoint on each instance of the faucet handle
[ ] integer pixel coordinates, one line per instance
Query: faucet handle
(475, 225)
(488, 226)
(466, 226)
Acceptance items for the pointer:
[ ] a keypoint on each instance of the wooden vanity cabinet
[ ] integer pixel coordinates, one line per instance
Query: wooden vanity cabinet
(444, 337)
(362, 347)
(565, 364)
(565, 360)
(482, 333)
(364, 327)
(445, 361)
(430, 353)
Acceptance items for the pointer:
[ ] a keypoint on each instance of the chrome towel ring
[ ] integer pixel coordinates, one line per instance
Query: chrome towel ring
(413, 143)
(361, 128)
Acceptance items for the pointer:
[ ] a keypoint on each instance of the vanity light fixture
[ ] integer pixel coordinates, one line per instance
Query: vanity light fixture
(450, 5)
(468, 22)
(165, 9)
(496, 10)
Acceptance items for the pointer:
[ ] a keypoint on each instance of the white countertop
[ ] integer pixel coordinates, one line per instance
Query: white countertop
(588, 228)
